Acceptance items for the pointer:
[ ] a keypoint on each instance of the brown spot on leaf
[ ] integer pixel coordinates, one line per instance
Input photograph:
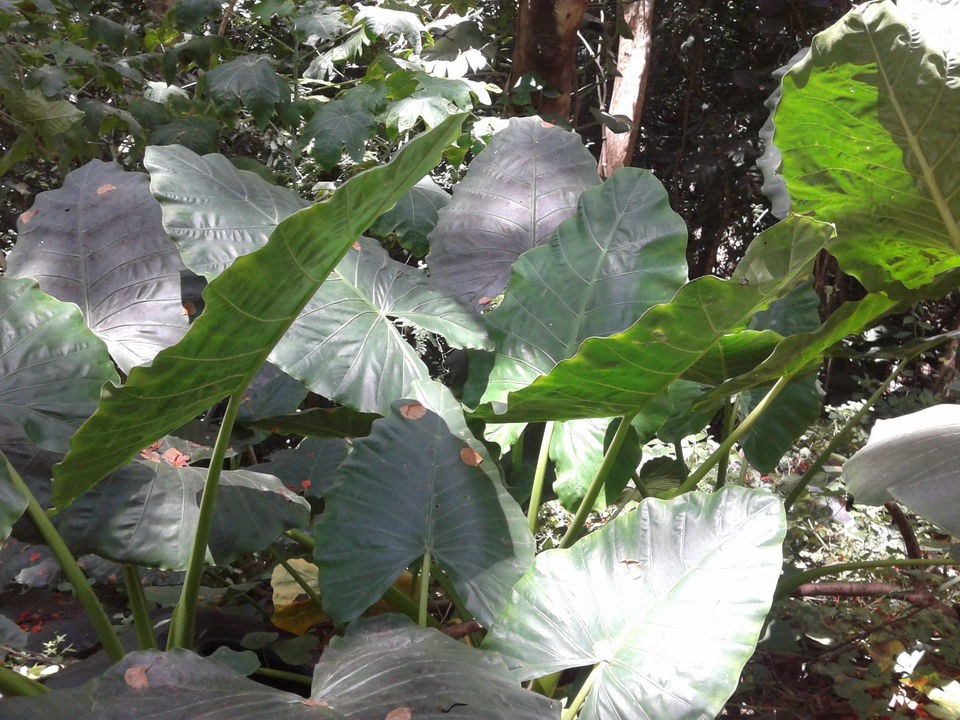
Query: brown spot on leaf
(484, 301)
(106, 188)
(356, 246)
(314, 703)
(545, 124)
(176, 458)
(136, 677)
(188, 309)
(471, 457)
(413, 411)
(400, 713)
(28, 216)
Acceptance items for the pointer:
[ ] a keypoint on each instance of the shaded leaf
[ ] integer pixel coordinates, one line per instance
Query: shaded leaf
(516, 193)
(345, 344)
(387, 664)
(321, 422)
(310, 467)
(51, 365)
(405, 490)
(667, 603)
(413, 217)
(98, 242)
(247, 312)
(343, 125)
(12, 502)
(252, 80)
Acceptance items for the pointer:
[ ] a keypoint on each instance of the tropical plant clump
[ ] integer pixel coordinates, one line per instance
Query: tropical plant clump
(209, 377)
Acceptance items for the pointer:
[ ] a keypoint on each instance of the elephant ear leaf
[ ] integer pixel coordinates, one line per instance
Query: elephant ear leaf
(517, 191)
(99, 242)
(863, 133)
(666, 603)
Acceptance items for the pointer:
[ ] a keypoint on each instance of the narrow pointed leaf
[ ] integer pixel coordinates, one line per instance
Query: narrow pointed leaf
(516, 193)
(12, 502)
(51, 365)
(864, 134)
(667, 602)
(621, 253)
(345, 344)
(247, 313)
(412, 486)
(240, 209)
(387, 663)
(625, 372)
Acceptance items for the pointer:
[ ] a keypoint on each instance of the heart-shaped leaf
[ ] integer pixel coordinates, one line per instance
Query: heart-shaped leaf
(345, 344)
(864, 134)
(51, 365)
(666, 603)
(410, 487)
(516, 193)
(912, 459)
(98, 242)
(247, 312)
(386, 664)
(621, 254)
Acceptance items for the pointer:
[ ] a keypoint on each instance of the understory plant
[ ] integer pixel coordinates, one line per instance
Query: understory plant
(568, 301)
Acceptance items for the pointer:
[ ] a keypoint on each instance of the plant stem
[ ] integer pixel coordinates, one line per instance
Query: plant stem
(573, 708)
(303, 539)
(146, 640)
(14, 684)
(728, 442)
(536, 492)
(788, 584)
(730, 411)
(586, 505)
(444, 580)
(842, 435)
(298, 578)
(96, 615)
(424, 595)
(183, 622)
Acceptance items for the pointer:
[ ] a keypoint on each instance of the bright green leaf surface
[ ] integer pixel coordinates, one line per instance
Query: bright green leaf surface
(247, 312)
(387, 663)
(625, 372)
(621, 253)
(345, 344)
(667, 601)
(98, 242)
(517, 191)
(240, 209)
(866, 137)
(413, 486)
(51, 365)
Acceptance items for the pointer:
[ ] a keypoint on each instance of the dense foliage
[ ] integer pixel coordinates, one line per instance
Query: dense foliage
(420, 322)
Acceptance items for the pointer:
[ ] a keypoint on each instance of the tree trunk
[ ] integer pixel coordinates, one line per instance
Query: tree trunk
(629, 88)
(547, 45)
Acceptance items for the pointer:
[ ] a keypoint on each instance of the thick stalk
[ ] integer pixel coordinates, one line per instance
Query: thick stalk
(536, 492)
(441, 577)
(842, 435)
(183, 623)
(424, 595)
(146, 640)
(302, 539)
(788, 584)
(570, 712)
(730, 411)
(16, 685)
(586, 505)
(96, 615)
(728, 442)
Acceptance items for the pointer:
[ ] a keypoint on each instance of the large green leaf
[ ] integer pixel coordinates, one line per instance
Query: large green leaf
(622, 374)
(168, 686)
(51, 365)
(343, 125)
(345, 344)
(912, 459)
(146, 514)
(414, 216)
(864, 134)
(240, 209)
(623, 252)
(388, 664)
(516, 193)
(12, 501)
(98, 242)
(667, 603)
(252, 80)
(413, 485)
(248, 309)
(311, 466)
